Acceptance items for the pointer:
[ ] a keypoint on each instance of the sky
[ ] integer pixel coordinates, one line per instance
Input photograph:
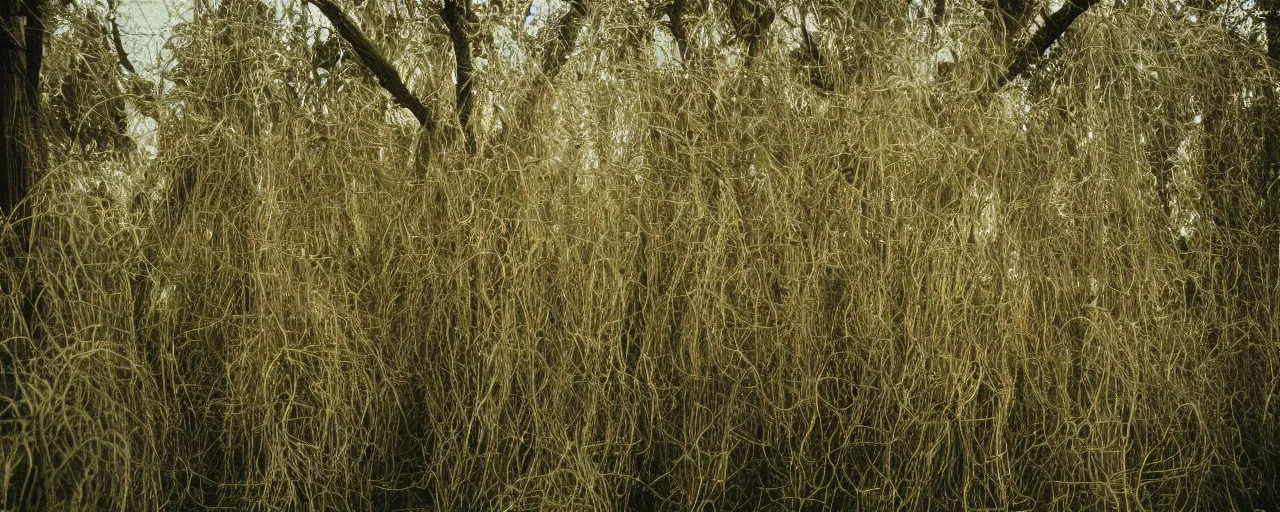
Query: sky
(144, 27)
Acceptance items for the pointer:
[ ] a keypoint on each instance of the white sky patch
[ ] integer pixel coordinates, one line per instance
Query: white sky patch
(145, 26)
(507, 48)
(944, 54)
(540, 14)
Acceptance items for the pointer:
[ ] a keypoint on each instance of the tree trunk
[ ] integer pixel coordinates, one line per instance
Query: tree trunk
(21, 38)
(460, 19)
(21, 156)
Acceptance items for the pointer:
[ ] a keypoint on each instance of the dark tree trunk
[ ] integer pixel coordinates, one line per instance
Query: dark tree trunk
(751, 20)
(460, 19)
(22, 40)
(21, 157)
(1008, 17)
(675, 16)
(1271, 16)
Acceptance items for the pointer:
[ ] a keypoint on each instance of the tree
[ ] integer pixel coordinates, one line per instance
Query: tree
(21, 159)
(21, 40)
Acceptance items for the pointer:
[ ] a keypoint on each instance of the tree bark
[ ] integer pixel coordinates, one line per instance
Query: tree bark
(372, 59)
(675, 22)
(812, 59)
(1271, 17)
(1008, 17)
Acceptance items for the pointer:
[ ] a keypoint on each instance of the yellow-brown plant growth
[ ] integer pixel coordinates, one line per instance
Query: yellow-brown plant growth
(659, 284)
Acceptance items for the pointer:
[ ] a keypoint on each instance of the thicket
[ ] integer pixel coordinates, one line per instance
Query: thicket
(689, 284)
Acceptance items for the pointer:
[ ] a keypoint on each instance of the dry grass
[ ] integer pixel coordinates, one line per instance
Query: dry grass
(670, 290)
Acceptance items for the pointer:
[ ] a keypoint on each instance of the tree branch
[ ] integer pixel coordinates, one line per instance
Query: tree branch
(459, 17)
(566, 35)
(751, 19)
(675, 17)
(809, 55)
(1056, 25)
(814, 61)
(369, 55)
(113, 6)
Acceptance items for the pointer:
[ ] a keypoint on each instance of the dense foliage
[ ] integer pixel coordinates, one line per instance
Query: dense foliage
(728, 255)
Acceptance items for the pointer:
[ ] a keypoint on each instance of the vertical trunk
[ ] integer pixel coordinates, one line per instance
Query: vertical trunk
(553, 59)
(1271, 16)
(21, 37)
(460, 19)
(21, 156)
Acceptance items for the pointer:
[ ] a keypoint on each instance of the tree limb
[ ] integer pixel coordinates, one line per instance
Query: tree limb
(566, 36)
(751, 19)
(1054, 26)
(814, 61)
(459, 17)
(675, 17)
(809, 55)
(113, 6)
(369, 55)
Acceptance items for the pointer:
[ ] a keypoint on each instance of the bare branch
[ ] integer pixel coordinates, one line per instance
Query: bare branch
(814, 61)
(113, 7)
(459, 17)
(369, 55)
(1056, 25)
